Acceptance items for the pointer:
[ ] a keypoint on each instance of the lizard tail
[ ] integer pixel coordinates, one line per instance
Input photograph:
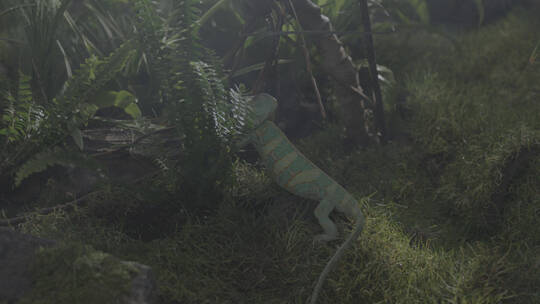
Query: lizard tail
(335, 258)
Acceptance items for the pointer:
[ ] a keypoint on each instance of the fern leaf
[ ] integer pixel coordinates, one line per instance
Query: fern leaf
(38, 163)
(22, 115)
(95, 73)
(48, 158)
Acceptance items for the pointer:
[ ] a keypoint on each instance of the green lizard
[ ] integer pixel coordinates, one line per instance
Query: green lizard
(298, 175)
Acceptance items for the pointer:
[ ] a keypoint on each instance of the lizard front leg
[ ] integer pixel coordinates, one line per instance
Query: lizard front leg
(321, 213)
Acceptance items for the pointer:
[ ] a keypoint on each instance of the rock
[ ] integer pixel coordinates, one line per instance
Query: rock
(143, 285)
(16, 253)
(68, 273)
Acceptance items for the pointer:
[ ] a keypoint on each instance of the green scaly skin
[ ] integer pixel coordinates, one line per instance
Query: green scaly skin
(298, 175)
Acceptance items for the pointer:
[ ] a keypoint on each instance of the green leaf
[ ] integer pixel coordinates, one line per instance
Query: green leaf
(121, 99)
(105, 99)
(124, 99)
(133, 110)
(209, 13)
(50, 157)
(88, 110)
(420, 6)
(481, 11)
(76, 134)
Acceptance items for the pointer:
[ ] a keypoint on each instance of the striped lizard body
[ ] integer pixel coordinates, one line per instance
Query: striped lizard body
(298, 175)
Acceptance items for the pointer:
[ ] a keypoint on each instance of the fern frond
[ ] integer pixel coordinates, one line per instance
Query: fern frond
(147, 18)
(186, 14)
(241, 112)
(95, 73)
(195, 99)
(212, 92)
(38, 163)
(48, 158)
(149, 28)
(22, 116)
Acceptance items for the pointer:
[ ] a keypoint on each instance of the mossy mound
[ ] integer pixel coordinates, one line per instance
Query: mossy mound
(476, 118)
(72, 273)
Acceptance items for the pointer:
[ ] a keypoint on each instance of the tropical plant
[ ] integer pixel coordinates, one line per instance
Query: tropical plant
(183, 86)
(42, 100)
(29, 128)
(190, 93)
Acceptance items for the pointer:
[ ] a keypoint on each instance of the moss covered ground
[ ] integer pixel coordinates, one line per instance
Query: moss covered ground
(454, 197)
(76, 273)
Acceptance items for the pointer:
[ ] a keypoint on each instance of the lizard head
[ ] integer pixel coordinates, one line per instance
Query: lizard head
(263, 106)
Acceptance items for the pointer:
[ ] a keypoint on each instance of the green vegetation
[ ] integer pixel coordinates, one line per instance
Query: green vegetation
(452, 201)
(73, 274)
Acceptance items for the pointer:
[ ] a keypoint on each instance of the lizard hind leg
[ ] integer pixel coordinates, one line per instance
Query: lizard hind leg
(321, 213)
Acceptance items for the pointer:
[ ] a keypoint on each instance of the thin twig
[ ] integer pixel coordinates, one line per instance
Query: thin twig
(271, 61)
(23, 218)
(370, 52)
(315, 32)
(12, 40)
(308, 63)
(232, 57)
(40, 84)
(9, 10)
(44, 211)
